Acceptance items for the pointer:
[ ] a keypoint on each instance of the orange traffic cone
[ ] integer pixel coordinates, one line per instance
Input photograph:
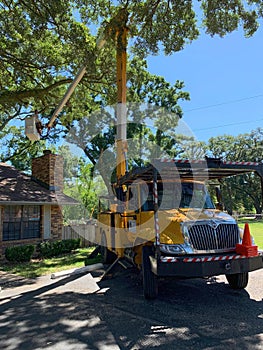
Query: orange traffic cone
(246, 248)
(246, 241)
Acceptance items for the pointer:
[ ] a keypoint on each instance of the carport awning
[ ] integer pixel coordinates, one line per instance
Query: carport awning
(208, 169)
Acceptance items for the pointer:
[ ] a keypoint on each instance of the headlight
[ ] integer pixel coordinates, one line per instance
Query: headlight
(185, 233)
(174, 248)
(178, 249)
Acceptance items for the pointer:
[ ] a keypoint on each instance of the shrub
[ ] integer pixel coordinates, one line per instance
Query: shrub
(50, 249)
(70, 244)
(21, 253)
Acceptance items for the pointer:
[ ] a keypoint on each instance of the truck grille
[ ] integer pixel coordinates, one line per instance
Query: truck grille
(207, 237)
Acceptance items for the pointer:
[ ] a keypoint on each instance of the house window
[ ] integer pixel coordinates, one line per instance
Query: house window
(21, 222)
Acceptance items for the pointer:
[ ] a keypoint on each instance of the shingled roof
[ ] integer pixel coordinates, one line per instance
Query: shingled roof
(18, 188)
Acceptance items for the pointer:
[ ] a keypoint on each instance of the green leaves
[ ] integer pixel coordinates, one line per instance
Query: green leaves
(222, 17)
(45, 42)
(166, 25)
(246, 190)
(244, 147)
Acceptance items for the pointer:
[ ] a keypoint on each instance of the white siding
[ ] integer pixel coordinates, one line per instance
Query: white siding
(47, 221)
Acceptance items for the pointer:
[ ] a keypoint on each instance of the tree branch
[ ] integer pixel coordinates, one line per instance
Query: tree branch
(14, 96)
(17, 152)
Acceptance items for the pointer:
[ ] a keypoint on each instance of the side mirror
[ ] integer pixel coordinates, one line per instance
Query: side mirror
(219, 204)
(218, 195)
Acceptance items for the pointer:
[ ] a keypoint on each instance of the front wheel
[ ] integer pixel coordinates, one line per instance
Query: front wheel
(238, 280)
(108, 257)
(150, 284)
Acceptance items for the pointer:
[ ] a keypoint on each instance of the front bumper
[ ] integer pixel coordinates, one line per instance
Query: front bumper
(202, 266)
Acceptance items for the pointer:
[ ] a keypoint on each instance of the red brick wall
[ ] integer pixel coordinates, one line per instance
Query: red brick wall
(48, 171)
(56, 222)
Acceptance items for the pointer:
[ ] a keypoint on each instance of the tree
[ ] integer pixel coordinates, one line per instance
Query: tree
(170, 25)
(17, 149)
(155, 101)
(43, 44)
(78, 184)
(90, 189)
(40, 39)
(246, 189)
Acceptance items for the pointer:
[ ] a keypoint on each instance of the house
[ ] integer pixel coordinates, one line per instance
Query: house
(30, 206)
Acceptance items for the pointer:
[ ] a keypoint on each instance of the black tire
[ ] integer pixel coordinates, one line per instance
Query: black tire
(150, 283)
(108, 257)
(238, 280)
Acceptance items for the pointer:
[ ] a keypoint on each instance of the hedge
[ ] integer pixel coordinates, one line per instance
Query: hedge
(50, 249)
(21, 253)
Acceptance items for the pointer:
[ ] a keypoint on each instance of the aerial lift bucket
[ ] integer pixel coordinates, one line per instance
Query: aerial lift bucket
(31, 129)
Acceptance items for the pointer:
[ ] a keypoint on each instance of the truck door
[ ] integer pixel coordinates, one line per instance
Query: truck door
(133, 211)
(140, 205)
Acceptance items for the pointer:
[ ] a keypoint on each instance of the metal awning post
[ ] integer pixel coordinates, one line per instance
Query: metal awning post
(260, 172)
(155, 200)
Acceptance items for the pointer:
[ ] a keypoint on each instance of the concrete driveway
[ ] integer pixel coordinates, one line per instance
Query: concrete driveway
(12, 285)
(81, 313)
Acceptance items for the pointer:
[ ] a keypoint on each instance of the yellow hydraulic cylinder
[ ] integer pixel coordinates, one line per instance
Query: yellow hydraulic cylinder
(121, 139)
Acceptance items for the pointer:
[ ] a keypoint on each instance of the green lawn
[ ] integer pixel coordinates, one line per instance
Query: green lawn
(47, 266)
(256, 230)
(77, 259)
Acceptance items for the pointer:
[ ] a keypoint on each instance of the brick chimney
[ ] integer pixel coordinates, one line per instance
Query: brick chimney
(47, 170)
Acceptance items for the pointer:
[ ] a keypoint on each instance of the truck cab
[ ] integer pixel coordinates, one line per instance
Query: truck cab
(164, 221)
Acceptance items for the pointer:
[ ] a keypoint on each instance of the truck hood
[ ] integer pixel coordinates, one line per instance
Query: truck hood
(170, 221)
(193, 214)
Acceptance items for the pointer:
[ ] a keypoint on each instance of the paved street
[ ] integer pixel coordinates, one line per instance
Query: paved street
(81, 313)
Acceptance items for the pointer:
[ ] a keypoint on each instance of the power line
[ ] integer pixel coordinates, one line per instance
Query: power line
(224, 103)
(230, 124)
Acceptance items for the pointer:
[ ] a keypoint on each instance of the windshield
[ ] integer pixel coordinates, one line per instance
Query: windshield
(175, 195)
(195, 196)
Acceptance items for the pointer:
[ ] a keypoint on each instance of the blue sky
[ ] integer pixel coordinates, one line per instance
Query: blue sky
(224, 77)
